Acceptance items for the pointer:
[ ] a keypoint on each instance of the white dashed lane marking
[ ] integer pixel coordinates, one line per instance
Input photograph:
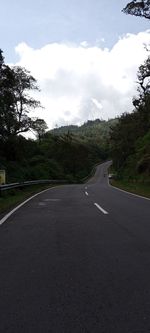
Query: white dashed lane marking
(51, 200)
(100, 208)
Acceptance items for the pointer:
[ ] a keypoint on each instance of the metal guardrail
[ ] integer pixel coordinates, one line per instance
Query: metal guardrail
(28, 183)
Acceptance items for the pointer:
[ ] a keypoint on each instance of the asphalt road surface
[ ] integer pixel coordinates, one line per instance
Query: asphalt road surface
(76, 258)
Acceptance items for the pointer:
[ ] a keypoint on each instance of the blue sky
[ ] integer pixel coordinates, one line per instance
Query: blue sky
(39, 22)
(84, 53)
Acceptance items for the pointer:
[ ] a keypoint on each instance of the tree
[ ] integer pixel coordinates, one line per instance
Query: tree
(1, 58)
(16, 83)
(142, 102)
(39, 126)
(144, 76)
(138, 8)
(133, 127)
(122, 137)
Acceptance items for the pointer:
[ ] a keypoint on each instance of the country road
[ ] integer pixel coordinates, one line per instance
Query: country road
(76, 258)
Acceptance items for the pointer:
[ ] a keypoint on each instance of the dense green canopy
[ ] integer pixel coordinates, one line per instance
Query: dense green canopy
(16, 85)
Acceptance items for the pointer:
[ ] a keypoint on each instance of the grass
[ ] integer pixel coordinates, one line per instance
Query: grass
(136, 187)
(12, 198)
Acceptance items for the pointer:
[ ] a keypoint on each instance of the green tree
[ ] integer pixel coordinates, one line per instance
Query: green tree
(143, 76)
(138, 8)
(39, 126)
(133, 127)
(142, 102)
(1, 58)
(16, 84)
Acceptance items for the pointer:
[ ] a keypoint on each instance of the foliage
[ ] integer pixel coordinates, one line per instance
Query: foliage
(64, 153)
(135, 187)
(39, 126)
(67, 156)
(130, 138)
(92, 132)
(138, 8)
(13, 197)
(60, 157)
(16, 83)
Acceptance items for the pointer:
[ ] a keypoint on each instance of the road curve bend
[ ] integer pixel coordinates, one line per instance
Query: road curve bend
(76, 258)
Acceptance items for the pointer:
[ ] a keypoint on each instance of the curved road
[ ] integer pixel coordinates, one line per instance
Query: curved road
(76, 258)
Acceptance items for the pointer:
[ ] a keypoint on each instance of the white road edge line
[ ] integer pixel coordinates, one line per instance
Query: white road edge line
(86, 193)
(23, 203)
(133, 194)
(100, 208)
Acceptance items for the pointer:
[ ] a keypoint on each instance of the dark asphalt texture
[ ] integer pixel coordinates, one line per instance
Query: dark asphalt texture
(66, 267)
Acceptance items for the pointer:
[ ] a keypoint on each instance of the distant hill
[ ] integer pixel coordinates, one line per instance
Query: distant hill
(96, 131)
(68, 152)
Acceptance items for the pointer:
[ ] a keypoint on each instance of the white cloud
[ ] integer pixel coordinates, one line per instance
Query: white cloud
(81, 82)
(97, 103)
(103, 39)
(84, 43)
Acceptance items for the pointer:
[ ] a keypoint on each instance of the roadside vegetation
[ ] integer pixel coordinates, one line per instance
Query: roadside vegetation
(133, 187)
(65, 156)
(70, 152)
(130, 138)
(10, 199)
(58, 154)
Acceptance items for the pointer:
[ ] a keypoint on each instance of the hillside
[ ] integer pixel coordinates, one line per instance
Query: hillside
(130, 148)
(68, 152)
(96, 131)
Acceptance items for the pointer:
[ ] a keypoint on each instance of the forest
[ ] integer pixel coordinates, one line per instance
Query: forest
(70, 152)
(58, 154)
(130, 138)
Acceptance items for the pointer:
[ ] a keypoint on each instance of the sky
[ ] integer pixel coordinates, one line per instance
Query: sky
(84, 55)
